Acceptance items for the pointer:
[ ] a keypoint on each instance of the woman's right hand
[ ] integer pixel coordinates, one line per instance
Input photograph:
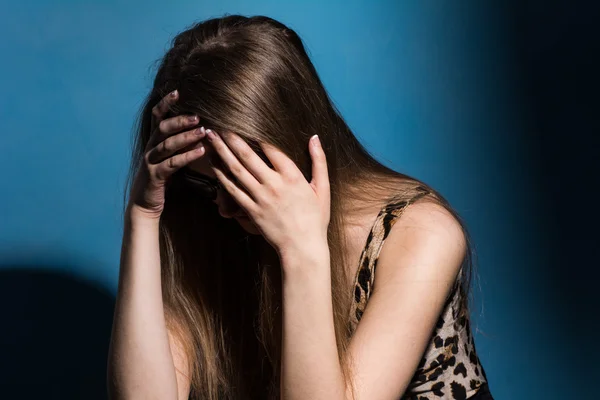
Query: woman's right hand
(167, 137)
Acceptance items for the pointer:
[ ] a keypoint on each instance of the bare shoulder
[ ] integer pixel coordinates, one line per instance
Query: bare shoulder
(416, 269)
(425, 234)
(430, 216)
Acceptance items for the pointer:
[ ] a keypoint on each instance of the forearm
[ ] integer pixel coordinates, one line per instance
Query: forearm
(140, 363)
(310, 367)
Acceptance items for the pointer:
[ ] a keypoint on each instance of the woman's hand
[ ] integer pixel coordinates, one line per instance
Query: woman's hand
(291, 213)
(148, 189)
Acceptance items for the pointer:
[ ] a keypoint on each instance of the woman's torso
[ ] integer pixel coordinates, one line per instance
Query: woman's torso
(449, 368)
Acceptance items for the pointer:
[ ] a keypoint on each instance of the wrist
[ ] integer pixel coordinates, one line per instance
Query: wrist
(139, 216)
(314, 249)
(306, 260)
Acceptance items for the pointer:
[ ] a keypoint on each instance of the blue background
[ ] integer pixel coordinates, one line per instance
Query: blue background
(444, 91)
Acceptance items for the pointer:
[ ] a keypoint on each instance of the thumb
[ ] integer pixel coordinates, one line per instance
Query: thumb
(320, 175)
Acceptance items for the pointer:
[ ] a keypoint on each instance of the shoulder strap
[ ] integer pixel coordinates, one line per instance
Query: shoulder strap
(380, 230)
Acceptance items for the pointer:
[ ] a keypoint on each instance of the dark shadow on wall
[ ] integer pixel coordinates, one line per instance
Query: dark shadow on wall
(557, 51)
(54, 337)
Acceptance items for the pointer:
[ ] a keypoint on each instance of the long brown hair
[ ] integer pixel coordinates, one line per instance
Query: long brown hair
(221, 286)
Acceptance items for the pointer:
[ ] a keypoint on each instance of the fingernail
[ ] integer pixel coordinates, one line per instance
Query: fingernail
(211, 135)
(173, 93)
(193, 118)
(316, 141)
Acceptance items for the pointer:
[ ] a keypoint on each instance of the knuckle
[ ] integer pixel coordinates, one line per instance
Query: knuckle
(162, 126)
(156, 113)
(271, 189)
(152, 173)
(236, 169)
(182, 121)
(244, 154)
(295, 178)
(192, 135)
(171, 162)
(259, 213)
(187, 157)
(165, 146)
(274, 194)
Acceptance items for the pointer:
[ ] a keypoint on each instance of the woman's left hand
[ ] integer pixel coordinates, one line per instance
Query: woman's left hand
(291, 213)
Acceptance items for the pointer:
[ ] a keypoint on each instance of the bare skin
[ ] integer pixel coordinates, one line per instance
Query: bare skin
(146, 361)
(416, 270)
(143, 355)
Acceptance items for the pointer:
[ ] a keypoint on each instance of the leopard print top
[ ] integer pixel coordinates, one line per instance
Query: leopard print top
(450, 368)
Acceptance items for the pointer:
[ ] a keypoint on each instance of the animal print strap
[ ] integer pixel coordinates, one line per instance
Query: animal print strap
(449, 368)
(365, 276)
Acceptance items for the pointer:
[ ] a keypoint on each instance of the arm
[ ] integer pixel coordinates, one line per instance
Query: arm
(310, 367)
(415, 276)
(140, 363)
(415, 272)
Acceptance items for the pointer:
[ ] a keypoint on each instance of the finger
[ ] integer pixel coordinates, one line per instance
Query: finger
(239, 195)
(161, 108)
(320, 175)
(237, 169)
(173, 144)
(170, 126)
(169, 166)
(281, 162)
(247, 156)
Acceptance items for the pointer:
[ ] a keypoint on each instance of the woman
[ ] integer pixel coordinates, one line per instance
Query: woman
(253, 229)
